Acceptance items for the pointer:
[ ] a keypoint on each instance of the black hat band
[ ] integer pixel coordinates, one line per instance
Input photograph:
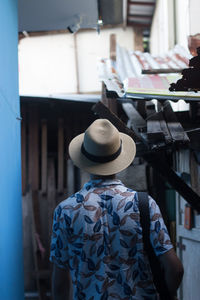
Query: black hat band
(101, 159)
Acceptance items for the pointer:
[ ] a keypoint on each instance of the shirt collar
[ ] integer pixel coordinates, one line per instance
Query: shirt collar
(101, 182)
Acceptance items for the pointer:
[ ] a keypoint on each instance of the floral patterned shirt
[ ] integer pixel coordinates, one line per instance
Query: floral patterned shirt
(98, 236)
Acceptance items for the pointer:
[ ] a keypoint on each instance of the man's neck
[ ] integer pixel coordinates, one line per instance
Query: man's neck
(96, 177)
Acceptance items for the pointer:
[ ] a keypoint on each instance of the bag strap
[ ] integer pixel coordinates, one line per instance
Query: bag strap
(145, 219)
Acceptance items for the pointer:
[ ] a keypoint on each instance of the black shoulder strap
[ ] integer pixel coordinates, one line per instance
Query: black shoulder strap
(158, 275)
(144, 218)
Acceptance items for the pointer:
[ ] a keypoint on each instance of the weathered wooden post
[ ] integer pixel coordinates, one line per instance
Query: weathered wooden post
(111, 103)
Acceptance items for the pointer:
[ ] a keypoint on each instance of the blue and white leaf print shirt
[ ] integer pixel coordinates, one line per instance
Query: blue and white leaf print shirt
(98, 236)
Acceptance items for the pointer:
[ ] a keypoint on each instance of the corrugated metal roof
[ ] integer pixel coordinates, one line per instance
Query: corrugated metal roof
(125, 75)
(131, 64)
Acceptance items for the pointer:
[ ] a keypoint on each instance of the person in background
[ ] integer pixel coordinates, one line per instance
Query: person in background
(97, 236)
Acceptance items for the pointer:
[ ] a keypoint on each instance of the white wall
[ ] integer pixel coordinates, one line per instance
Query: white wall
(182, 22)
(166, 31)
(194, 21)
(173, 22)
(47, 63)
(159, 30)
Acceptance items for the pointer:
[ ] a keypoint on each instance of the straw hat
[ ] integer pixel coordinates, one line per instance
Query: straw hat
(102, 149)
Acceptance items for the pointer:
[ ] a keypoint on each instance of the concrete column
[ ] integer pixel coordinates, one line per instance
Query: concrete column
(11, 249)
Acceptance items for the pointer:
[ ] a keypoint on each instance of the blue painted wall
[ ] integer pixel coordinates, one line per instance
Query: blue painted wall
(11, 254)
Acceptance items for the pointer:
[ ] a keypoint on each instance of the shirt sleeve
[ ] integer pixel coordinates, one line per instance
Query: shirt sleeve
(59, 245)
(159, 235)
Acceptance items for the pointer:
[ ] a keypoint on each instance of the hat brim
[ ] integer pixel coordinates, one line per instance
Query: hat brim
(109, 168)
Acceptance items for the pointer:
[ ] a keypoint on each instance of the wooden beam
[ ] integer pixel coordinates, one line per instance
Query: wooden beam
(175, 128)
(136, 119)
(157, 162)
(33, 148)
(60, 155)
(164, 128)
(161, 71)
(44, 156)
(138, 39)
(111, 103)
(38, 250)
(51, 195)
(113, 43)
(154, 131)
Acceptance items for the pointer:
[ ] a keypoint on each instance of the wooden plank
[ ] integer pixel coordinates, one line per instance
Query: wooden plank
(33, 160)
(38, 249)
(111, 103)
(28, 236)
(164, 128)
(23, 150)
(154, 130)
(133, 115)
(33, 148)
(35, 251)
(161, 71)
(138, 37)
(36, 211)
(44, 156)
(113, 43)
(51, 195)
(60, 156)
(174, 180)
(175, 128)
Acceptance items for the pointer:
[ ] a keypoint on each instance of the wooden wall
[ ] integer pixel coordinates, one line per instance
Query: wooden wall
(48, 176)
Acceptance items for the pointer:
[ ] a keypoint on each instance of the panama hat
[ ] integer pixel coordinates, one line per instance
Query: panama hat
(102, 149)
